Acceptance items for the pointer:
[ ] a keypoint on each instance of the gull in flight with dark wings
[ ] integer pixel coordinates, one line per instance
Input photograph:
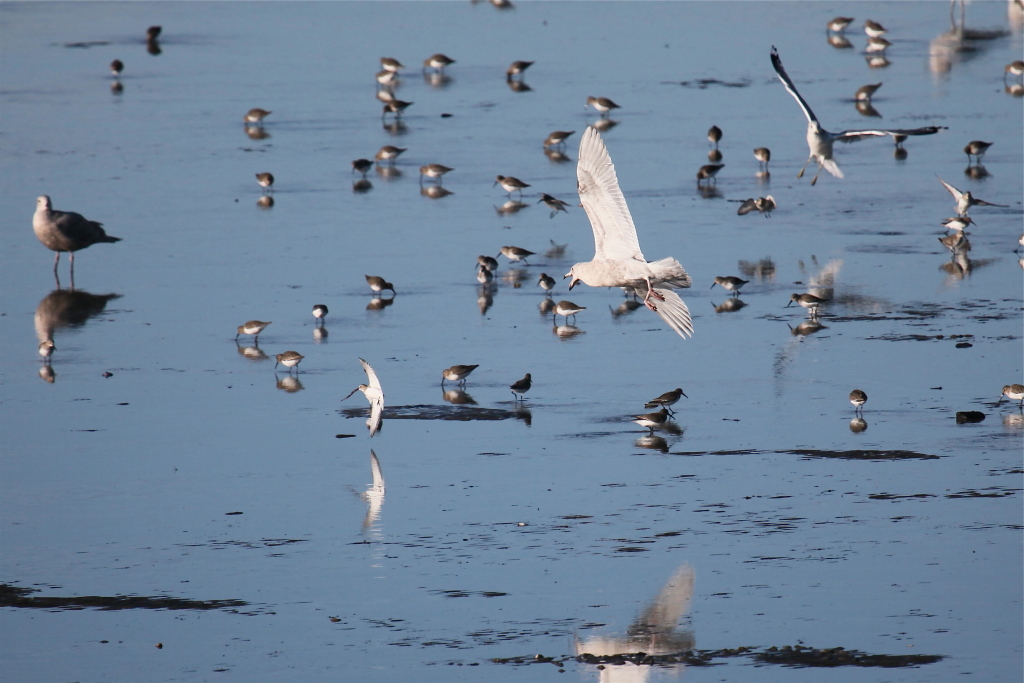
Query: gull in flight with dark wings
(374, 394)
(618, 261)
(820, 140)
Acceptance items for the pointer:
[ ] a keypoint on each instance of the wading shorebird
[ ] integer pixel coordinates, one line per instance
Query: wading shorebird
(820, 141)
(669, 398)
(858, 398)
(618, 261)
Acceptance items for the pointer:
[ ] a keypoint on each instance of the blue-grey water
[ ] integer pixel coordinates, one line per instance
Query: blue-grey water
(760, 518)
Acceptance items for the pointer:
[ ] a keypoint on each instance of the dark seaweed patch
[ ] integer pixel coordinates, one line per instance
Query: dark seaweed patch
(863, 454)
(16, 596)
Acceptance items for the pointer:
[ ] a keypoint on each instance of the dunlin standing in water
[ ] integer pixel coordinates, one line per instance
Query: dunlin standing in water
(256, 116)
(153, 32)
(253, 327)
(374, 395)
(516, 254)
(437, 62)
(378, 284)
(510, 184)
(956, 243)
(820, 141)
(839, 24)
(46, 349)
(858, 398)
(457, 373)
(601, 104)
(567, 309)
(362, 166)
(488, 262)
(516, 69)
(66, 231)
(116, 67)
(152, 44)
(319, 313)
(522, 386)
(557, 138)
(874, 29)
(652, 421)
(395, 107)
(763, 156)
(977, 149)
(391, 64)
(865, 92)
(958, 223)
(666, 400)
(434, 172)
(546, 282)
(1014, 392)
(289, 359)
(265, 180)
(553, 203)
(714, 135)
(730, 282)
(388, 153)
(1015, 69)
(965, 200)
(618, 261)
(708, 172)
(808, 301)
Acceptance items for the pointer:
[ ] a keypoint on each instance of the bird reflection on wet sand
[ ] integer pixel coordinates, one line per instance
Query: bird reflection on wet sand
(289, 383)
(68, 308)
(374, 493)
(458, 397)
(652, 442)
(378, 303)
(858, 425)
(625, 308)
(485, 298)
(510, 207)
(654, 631)
(253, 353)
(566, 332)
(729, 305)
(806, 328)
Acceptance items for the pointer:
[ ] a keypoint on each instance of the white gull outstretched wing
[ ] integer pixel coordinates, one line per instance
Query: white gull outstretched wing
(788, 82)
(673, 311)
(375, 395)
(614, 232)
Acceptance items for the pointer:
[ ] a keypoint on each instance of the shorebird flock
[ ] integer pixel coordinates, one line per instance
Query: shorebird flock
(617, 261)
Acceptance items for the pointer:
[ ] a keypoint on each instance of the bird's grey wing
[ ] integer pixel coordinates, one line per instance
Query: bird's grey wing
(854, 135)
(746, 207)
(371, 376)
(982, 202)
(70, 222)
(673, 311)
(952, 190)
(786, 81)
(614, 232)
(378, 476)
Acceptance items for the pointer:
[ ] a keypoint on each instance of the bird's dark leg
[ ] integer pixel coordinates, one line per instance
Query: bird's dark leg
(802, 168)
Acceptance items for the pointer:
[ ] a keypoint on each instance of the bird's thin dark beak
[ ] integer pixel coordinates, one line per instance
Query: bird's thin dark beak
(353, 391)
(684, 395)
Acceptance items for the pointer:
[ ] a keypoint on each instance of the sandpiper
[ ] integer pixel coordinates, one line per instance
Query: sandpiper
(362, 166)
(253, 327)
(865, 92)
(977, 149)
(601, 104)
(763, 156)
(488, 262)
(390, 64)
(714, 135)
(66, 231)
(567, 309)
(730, 282)
(965, 200)
(808, 301)
(265, 180)
(510, 184)
(1014, 392)
(378, 284)
(153, 32)
(319, 313)
(546, 282)
(437, 62)
(957, 223)
(669, 398)
(765, 205)
(395, 107)
(1015, 69)
(516, 69)
(522, 386)
(289, 359)
(652, 420)
(858, 398)
(256, 115)
(708, 172)
(434, 171)
(553, 203)
(873, 29)
(516, 254)
(557, 138)
(457, 373)
(956, 243)
(46, 349)
(116, 67)
(388, 153)
(839, 24)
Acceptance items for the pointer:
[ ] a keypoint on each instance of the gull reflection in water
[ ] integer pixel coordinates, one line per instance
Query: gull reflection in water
(374, 493)
(759, 271)
(959, 43)
(65, 308)
(289, 383)
(655, 631)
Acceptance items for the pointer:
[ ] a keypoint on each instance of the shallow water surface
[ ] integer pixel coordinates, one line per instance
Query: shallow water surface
(174, 509)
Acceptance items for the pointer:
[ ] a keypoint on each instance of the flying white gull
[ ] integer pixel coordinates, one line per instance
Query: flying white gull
(618, 261)
(820, 140)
